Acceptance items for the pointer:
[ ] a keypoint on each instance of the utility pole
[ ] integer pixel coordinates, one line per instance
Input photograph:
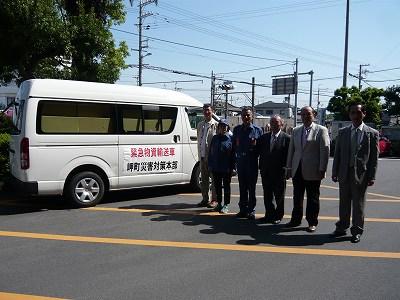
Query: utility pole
(142, 15)
(226, 102)
(212, 88)
(311, 82)
(253, 81)
(295, 91)
(360, 76)
(346, 45)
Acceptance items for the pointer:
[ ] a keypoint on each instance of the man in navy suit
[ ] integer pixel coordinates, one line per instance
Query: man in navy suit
(273, 149)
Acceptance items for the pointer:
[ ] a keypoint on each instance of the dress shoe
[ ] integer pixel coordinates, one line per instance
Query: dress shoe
(217, 208)
(265, 220)
(292, 224)
(311, 228)
(203, 203)
(276, 222)
(355, 238)
(212, 204)
(251, 216)
(337, 233)
(241, 214)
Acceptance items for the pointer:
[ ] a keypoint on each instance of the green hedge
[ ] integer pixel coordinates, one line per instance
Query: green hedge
(5, 130)
(4, 156)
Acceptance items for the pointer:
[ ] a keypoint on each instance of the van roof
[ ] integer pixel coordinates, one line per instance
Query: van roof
(83, 90)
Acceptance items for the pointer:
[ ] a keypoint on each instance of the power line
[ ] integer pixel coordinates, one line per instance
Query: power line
(383, 70)
(249, 70)
(320, 79)
(214, 21)
(382, 80)
(203, 48)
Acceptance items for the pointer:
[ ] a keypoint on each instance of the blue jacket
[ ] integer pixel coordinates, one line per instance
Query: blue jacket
(220, 157)
(245, 141)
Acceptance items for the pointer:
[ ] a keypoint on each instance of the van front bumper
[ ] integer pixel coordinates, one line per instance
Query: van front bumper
(23, 188)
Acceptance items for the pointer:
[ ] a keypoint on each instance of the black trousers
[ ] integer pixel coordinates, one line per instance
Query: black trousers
(224, 178)
(274, 189)
(312, 188)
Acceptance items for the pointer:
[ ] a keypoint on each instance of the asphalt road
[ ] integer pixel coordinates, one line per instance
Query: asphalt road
(156, 244)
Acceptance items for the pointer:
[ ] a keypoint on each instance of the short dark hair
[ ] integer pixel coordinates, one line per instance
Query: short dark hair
(246, 108)
(363, 109)
(208, 105)
(314, 112)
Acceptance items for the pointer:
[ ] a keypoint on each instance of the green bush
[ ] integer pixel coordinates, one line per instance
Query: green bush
(4, 156)
(5, 130)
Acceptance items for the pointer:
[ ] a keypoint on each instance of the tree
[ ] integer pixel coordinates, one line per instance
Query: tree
(392, 98)
(94, 56)
(67, 39)
(343, 97)
(32, 37)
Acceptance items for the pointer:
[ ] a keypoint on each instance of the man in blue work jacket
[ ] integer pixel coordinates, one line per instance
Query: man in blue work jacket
(245, 138)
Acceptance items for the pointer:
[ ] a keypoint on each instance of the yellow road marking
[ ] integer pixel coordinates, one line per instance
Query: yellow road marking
(321, 198)
(207, 246)
(211, 213)
(337, 188)
(13, 296)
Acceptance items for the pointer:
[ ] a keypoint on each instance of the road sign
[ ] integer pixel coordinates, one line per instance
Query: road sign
(283, 86)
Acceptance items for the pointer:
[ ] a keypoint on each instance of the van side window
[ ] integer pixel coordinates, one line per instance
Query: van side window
(55, 117)
(148, 119)
(152, 119)
(168, 119)
(132, 119)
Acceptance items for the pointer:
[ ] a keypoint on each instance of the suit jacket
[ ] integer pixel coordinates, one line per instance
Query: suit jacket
(313, 156)
(272, 163)
(366, 158)
(210, 133)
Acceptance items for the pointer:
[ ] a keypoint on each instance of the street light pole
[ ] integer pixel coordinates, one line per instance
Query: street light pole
(346, 45)
(295, 92)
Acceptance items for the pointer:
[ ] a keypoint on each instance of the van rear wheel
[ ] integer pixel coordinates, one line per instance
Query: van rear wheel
(85, 189)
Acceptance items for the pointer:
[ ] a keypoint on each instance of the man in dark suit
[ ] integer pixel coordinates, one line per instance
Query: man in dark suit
(273, 148)
(354, 166)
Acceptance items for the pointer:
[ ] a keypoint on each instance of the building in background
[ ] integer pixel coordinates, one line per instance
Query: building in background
(7, 94)
(269, 108)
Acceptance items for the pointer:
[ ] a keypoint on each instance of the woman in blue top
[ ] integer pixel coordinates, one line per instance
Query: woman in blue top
(221, 164)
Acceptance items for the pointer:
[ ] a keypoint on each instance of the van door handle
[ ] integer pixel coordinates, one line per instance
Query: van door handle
(177, 138)
(193, 138)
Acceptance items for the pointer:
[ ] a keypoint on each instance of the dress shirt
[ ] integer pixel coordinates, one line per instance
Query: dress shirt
(306, 132)
(203, 141)
(360, 134)
(274, 137)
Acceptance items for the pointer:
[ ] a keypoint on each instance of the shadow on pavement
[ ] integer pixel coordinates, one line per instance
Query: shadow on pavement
(13, 204)
(258, 233)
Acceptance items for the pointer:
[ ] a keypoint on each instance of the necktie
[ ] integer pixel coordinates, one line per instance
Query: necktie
(354, 146)
(305, 136)
(273, 140)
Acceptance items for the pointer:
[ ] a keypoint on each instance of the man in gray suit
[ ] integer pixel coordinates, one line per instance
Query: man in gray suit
(354, 166)
(206, 129)
(307, 161)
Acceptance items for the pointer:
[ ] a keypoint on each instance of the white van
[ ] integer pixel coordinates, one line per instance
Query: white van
(81, 139)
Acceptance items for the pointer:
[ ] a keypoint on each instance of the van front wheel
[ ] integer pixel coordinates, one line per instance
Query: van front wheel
(85, 189)
(195, 182)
